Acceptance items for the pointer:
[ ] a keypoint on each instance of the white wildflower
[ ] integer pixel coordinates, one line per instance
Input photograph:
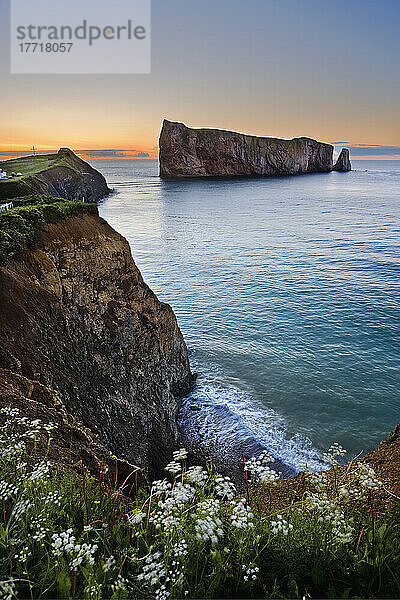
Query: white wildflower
(242, 516)
(12, 449)
(367, 477)
(161, 593)
(335, 452)
(7, 589)
(136, 517)
(180, 454)
(109, 564)
(53, 498)
(7, 490)
(281, 526)
(180, 549)
(259, 469)
(39, 528)
(153, 570)
(93, 591)
(64, 543)
(23, 555)
(250, 572)
(160, 487)
(208, 525)
(42, 471)
(83, 553)
(182, 493)
(164, 518)
(330, 514)
(196, 474)
(174, 468)
(21, 508)
(224, 488)
(319, 480)
(119, 585)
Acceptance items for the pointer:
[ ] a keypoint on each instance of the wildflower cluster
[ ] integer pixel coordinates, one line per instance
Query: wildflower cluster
(335, 452)
(7, 490)
(279, 525)
(367, 477)
(224, 488)
(208, 523)
(189, 535)
(7, 589)
(331, 514)
(64, 544)
(174, 467)
(153, 570)
(259, 469)
(196, 474)
(250, 572)
(242, 517)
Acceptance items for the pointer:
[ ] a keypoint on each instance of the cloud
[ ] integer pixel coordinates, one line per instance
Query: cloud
(371, 151)
(96, 154)
(85, 154)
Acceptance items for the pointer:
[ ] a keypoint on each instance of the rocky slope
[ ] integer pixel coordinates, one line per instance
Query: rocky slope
(62, 175)
(73, 446)
(187, 152)
(76, 316)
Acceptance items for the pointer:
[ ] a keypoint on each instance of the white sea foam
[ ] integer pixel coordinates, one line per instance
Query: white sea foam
(229, 421)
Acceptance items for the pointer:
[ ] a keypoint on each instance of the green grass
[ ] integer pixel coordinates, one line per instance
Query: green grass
(68, 536)
(28, 166)
(32, 165)
(21, 226)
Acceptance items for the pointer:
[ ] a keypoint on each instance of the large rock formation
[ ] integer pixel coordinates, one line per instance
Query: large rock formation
(62, 175)
(343, 162)
(186, 152)
(76, 316)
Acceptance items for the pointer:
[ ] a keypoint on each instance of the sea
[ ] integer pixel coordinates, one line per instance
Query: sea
(287, 291)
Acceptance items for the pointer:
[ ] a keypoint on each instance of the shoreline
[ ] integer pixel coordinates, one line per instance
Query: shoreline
(230, 463)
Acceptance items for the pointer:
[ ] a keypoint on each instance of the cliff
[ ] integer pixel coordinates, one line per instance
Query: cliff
(77, 317)
(187, 152)
(62, 175)
(73, 445)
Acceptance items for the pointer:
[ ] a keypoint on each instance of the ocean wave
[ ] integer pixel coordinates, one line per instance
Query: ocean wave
(226, 420)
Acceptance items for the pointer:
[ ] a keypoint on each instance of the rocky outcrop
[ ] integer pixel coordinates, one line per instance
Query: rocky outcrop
(343, 162)
(73, 446)
(62, 175)
(187, 152)
(77, 317)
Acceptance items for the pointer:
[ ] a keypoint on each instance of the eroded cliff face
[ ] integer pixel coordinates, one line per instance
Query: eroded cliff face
(187, 152)
(73, 446)
(76, 316)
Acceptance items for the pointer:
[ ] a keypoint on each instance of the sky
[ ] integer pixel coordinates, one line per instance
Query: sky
(283, 68)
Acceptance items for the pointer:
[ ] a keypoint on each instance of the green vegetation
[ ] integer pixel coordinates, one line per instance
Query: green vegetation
(28, 166)
(20, 226)
(63, 535)
(32, 166)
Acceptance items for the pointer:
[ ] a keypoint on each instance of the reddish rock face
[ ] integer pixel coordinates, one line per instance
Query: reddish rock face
(187, 152)
(77, 317)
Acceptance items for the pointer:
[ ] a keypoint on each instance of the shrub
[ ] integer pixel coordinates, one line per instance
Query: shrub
(188, 536)
(20, 227)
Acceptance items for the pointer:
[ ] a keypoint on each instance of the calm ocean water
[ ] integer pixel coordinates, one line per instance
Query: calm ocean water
(287, 291)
